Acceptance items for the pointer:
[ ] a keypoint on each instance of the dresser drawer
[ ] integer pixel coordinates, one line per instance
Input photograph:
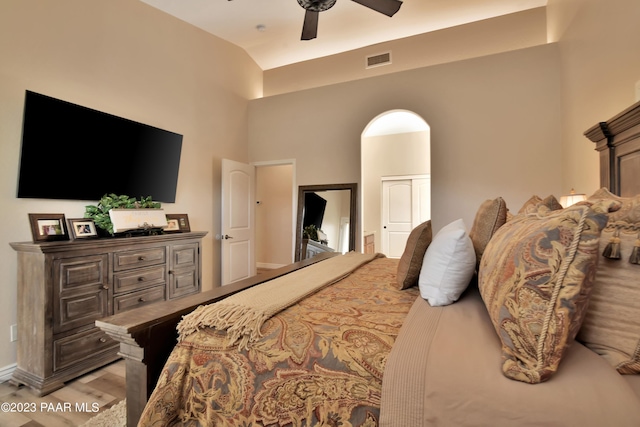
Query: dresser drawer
(138, 299)
(183, 282)
(78, 347)
(132, 280)
(74, 310)
(183, 256)
(127, 260)
(73, 274)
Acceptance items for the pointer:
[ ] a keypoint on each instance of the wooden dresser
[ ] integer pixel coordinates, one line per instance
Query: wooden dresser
(311, 248)
(370, 243)
(64, 287)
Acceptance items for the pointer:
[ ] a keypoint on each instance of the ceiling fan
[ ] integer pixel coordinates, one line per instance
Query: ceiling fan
(314, 7)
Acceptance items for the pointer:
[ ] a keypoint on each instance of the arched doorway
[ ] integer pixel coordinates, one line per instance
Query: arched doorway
(395, 176)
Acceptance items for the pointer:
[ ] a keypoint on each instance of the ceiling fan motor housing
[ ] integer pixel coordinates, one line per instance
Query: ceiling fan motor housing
(316, 5)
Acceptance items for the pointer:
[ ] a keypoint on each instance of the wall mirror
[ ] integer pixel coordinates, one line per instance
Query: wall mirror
(330, 208)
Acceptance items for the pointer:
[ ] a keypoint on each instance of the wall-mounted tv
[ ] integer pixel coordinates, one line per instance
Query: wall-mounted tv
(314, 207)
(73, 152)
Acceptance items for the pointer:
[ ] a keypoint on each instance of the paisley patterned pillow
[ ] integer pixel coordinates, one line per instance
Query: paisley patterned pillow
(535, 279)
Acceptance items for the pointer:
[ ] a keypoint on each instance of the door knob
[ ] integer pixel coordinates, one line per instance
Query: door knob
(226, 236)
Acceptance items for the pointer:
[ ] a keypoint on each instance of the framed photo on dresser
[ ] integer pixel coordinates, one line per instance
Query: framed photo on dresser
(177, 223)
(82, 228)
(48, 227)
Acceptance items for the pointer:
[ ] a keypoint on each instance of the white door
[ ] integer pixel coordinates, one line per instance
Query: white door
(238, 221)
(405, 204)
(421, 190)
(396, 216)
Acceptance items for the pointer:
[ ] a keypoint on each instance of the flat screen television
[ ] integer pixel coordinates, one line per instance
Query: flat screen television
(73, 152)
(314, 207)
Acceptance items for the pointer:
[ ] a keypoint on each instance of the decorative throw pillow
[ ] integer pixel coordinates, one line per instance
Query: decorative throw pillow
(535, 279)
(611, 326)
(552, 203)
(534, 203)
(448, 265)
(491, 215)
(509, 215)
(411, 259)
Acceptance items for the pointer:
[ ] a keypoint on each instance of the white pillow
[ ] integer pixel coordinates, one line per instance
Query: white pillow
(448, 265)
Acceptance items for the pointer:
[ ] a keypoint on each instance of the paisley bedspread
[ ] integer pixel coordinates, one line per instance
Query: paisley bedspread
(319, 362)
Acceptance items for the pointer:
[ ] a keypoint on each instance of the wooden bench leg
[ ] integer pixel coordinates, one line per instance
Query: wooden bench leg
(136, 380)
(145, 356)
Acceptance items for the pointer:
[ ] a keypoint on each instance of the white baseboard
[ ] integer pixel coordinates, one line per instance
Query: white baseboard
(268, 265)
(6, 372)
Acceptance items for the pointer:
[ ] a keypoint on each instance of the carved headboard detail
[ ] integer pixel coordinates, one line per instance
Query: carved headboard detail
(618, 142)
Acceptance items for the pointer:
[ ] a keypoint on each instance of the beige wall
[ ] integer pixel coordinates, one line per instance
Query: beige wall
(495, 127)
(509, 32)
(590, 73)
(599, 45)
(128, 59)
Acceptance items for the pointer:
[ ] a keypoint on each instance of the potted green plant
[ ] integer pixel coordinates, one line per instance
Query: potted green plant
(100, 212)
(310, 232)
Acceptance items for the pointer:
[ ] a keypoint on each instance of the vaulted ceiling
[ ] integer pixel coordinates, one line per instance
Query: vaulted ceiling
(270, 30)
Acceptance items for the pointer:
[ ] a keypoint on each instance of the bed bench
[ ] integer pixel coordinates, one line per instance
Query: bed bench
(148, 334)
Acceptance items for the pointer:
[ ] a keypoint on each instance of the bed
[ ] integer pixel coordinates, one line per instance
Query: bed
(317, 362)
(533, 326)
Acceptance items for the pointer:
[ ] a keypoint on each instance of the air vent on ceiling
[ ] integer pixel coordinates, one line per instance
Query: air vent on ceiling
(378, 60)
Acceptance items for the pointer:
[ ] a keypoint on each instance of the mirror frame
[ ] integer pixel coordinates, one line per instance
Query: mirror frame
(303, 189)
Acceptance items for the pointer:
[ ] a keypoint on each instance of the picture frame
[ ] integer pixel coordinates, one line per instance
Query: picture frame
(177, 223)
(82, 228)
(47, 227)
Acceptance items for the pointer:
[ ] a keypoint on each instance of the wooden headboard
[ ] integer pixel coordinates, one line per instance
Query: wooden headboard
(618, 142)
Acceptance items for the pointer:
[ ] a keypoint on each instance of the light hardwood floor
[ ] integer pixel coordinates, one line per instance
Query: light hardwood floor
(72, 405)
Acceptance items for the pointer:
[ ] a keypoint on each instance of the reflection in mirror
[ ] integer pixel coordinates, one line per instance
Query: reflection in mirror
(326, 219)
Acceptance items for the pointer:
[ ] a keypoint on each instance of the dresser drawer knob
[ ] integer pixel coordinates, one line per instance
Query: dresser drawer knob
(141, 258)
(141, 299)
(141, 279)
(103, 340)
(105, 287)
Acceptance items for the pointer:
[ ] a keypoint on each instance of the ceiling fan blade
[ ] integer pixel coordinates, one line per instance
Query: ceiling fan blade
(387, 7)
(310, 26)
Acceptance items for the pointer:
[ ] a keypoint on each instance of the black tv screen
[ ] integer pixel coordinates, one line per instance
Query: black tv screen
(314, 207)
(77, 153)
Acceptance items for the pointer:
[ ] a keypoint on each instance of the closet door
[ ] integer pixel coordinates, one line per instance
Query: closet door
(405, 205)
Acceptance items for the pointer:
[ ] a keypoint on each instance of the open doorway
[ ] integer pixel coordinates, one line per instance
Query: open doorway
(395, 147)
(275, 214)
